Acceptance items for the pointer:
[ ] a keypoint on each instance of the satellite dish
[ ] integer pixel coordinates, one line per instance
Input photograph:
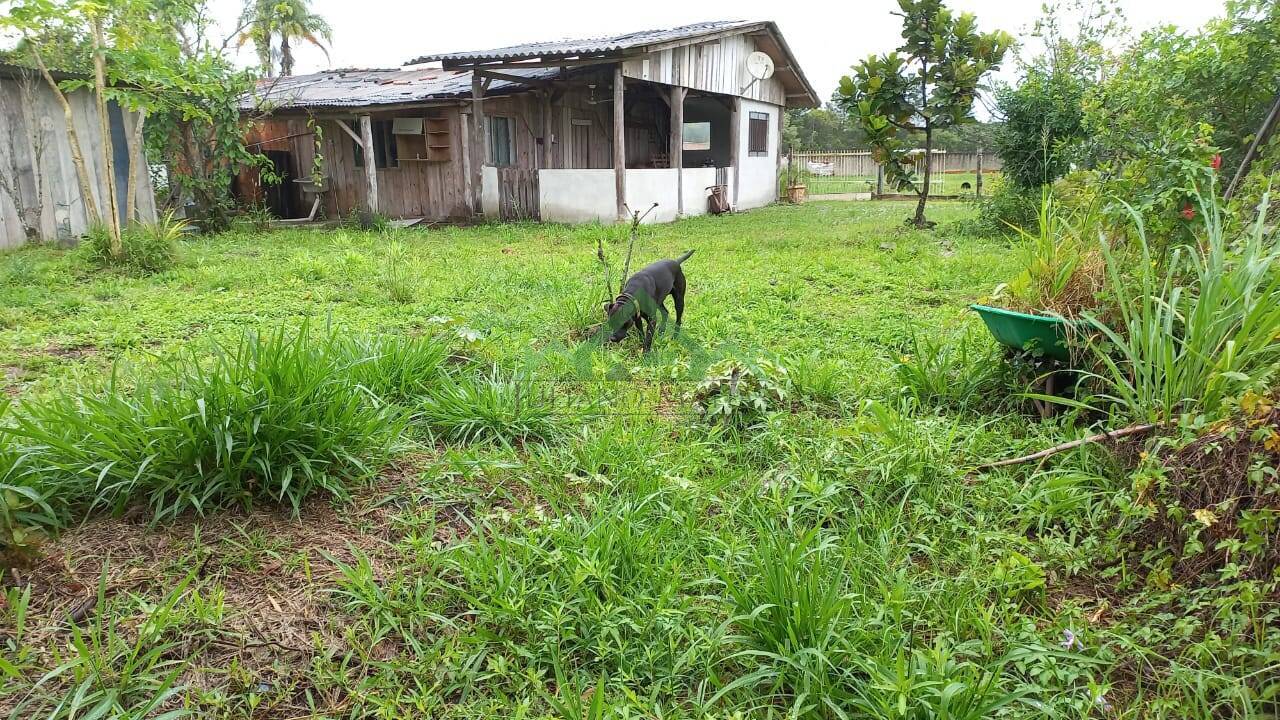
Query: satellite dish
(760, 65)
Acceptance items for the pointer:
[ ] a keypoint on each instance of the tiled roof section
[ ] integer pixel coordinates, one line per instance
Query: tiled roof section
(589, 46)
(362, 88)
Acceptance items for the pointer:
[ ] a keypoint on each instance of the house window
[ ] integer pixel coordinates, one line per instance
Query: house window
(696, 136)
(500, 153)
(384, 146)
(758, 134)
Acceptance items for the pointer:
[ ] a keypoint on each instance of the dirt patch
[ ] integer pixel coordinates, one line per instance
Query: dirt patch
(71, 352)
(14, 379)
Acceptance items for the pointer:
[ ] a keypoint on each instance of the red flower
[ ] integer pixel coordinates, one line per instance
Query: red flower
(1216, 162)
(1188, 212)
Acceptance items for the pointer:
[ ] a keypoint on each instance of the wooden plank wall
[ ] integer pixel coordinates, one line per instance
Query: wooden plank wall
(34, 112)
(432, 190)
(717, 66)
(525, 110)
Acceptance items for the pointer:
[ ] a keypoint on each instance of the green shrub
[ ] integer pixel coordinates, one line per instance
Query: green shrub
(740, 393)
(145, 249)
(1004, 208)
(497, 407)
(272, 418)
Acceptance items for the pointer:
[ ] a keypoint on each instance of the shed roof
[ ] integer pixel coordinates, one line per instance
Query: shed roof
(605, 49)
(364, 88)
(589, 46)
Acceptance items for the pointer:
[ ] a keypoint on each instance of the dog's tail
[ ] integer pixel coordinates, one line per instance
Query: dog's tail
(680, 260)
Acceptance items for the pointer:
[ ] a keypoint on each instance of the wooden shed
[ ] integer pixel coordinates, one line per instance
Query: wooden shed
(567, 131)
(40, 195)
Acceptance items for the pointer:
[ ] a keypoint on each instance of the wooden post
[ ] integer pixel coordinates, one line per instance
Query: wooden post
(370, 162)
(546, 128)
(677, 144)
(735, 149)
(977, 185)
(619, 141)
(478, 145)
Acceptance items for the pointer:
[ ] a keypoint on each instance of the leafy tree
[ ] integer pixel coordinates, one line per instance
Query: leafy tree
(284, 21)
(1043, 131)
(1181, 106)
(824, 128)
(928, 84)
(160, 59)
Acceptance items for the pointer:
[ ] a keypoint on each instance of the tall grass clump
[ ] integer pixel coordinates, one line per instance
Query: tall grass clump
(147, 248)
(398, 276)
(499, 407)
(399, 368)
(271, 417)
(1197, 332)
(963, 374)
(1060, 273)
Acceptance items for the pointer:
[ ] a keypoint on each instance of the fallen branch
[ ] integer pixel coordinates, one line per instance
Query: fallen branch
(1109, 435)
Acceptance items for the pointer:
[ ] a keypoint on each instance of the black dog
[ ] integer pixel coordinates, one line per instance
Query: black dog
(642, 299)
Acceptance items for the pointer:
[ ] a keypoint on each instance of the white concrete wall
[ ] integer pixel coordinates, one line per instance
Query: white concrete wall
(577, 196)
(759, 184)
(489, 199)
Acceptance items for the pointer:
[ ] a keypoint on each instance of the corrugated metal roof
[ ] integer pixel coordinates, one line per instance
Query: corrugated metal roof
(361, 88)
(589, 46)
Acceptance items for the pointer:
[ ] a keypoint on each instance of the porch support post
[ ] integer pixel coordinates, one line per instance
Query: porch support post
(546, 128)
(619, 141)
(370, 162)
(677, 144)
(477, 142)
(735, 146)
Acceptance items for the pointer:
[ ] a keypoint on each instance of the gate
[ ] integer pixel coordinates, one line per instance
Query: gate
(518, 193)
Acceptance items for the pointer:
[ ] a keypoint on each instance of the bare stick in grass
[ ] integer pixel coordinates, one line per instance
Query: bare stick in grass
(1108, 435)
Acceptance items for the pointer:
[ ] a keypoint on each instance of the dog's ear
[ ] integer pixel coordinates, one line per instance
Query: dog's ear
(608, 305)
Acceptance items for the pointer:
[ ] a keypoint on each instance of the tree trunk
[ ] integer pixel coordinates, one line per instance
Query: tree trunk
(195, 169)
(919, 220)
(135, 161)
(108, 161)
(286, 56)
(73, 139)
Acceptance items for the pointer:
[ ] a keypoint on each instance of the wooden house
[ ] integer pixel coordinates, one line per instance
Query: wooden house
(40, 196)
(571, 131)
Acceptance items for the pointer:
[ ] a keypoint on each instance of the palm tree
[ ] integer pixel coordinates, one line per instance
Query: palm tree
(288, 20)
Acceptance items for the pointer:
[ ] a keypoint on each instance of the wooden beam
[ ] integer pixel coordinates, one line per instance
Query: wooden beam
(477, 143)
(343, 124)
(677, 144)
(370, 162)
(735, 147)
(619, 141)
(547, 135)
(494, 75)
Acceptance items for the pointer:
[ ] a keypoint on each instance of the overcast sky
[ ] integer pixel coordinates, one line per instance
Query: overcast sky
(827, 37)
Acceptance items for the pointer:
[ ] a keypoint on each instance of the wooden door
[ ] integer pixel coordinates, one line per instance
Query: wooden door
(580, 144)
(518, 193)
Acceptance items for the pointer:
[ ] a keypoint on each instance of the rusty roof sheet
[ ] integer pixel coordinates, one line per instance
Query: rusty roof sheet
(362, 88)
(589, 46)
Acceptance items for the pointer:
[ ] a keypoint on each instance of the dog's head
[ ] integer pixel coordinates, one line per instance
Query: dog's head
(620, 314)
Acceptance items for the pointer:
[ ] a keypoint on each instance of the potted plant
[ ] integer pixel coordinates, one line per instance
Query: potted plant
(1060, 277)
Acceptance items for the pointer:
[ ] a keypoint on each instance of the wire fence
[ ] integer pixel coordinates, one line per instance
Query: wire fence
(854, 172)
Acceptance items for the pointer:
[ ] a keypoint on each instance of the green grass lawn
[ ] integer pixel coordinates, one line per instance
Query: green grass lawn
(595, 549)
